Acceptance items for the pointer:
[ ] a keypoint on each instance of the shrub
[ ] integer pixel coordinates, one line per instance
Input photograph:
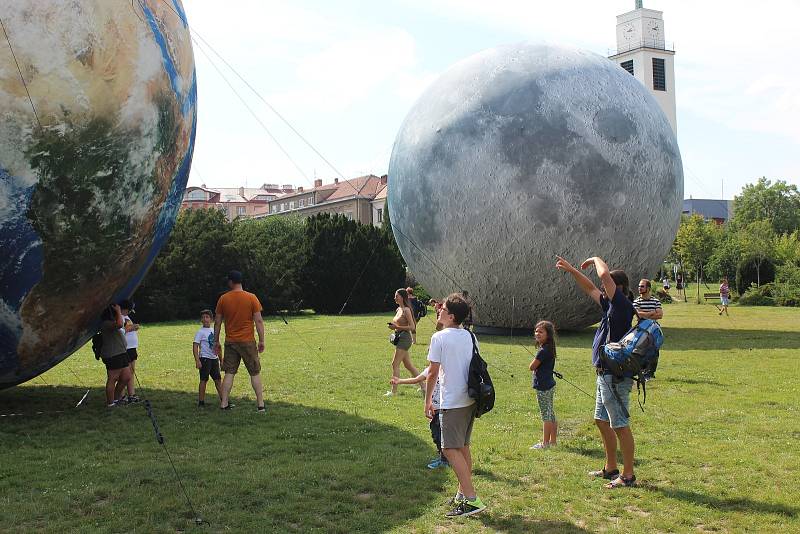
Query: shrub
(663, 296)
(758, 296)
(787, 286)
(422, 294)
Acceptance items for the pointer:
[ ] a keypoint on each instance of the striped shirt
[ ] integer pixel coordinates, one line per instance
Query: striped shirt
(647, 305)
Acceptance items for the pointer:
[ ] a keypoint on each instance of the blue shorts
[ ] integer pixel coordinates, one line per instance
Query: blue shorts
(607, 408)
(724, 300)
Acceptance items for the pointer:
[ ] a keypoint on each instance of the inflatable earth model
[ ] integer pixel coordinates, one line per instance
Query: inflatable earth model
(91, 181)
(524, 152)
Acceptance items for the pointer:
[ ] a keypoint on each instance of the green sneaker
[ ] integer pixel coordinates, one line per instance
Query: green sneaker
(467, 508)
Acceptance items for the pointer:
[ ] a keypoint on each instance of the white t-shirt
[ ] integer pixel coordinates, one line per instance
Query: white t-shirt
(205, 337)
(436, 396)
(132, 337)
(452, 348)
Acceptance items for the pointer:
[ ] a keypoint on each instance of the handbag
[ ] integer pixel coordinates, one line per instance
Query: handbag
(394, 338)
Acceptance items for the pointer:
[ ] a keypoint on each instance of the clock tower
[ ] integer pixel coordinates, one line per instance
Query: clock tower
(643, 52)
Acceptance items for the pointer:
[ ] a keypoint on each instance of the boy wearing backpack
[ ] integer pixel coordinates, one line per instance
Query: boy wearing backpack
(450, 355)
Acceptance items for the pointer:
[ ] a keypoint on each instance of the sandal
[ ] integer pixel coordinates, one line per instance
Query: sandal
(608, 475)
(622, 482)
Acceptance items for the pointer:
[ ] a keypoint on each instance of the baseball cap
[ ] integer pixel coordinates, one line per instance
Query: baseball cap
(235, 277)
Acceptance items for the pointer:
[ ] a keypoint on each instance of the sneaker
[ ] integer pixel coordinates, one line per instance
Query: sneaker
(123, 399)
(115, 404)
(467, 508)
(133, 399)
(608, 475)
(228, 407)
(261, 409)
(388, 394)
(437, 463)
(539, 446)
(457, 498)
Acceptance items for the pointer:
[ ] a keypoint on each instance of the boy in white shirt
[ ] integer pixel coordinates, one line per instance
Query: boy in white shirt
(131, 332)
(204, 357)
(449, 355)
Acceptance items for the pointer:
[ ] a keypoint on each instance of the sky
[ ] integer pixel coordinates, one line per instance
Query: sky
(344, 75)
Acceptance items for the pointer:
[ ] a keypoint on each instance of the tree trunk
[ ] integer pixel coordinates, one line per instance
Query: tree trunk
(758, 273)
(698, 285)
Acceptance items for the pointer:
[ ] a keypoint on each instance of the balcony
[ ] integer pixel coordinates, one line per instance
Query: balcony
(661, 45)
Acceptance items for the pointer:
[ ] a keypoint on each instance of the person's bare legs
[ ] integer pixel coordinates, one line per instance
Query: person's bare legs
(111, 382)
(413, 370)
(627, 445)
(609, 443)
(130, 379)
(201, 391)
(218, 385)
(255, 381)
(549, 430)
(399, 355)
(227, 385)
(461, 462)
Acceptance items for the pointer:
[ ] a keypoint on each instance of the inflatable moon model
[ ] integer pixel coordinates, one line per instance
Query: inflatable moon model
(524, 152)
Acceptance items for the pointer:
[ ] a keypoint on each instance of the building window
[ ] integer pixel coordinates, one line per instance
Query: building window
(349, 215)
(380, 215)
(627, 65)
(302, 202)
(659, 75)
(283, 206)
(241, 210)
(197, 194)
(291, 205)
(274, 208)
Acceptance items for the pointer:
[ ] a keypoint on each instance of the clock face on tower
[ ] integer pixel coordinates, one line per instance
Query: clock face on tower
(652, 30)
(629, 32)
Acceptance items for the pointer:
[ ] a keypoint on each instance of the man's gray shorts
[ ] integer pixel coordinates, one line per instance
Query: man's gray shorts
(456, 424)
(607, 406)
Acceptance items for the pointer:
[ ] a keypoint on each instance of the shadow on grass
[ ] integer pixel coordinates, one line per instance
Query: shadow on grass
(693, 381)
(737, 504)
(519, 524)
(297, 468)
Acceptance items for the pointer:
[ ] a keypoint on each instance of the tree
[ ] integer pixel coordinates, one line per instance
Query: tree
(694, 244)
(347, 262)
(758, 244)
(189, 273)
(778, 203)
(726, 258)
(270, 253)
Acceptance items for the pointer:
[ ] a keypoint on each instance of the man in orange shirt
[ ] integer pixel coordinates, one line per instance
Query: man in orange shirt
(240, 311)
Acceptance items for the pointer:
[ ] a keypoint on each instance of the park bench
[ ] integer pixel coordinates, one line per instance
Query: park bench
(711, 296)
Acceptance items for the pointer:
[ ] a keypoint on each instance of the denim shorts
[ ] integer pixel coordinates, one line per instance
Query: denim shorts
(606, 406)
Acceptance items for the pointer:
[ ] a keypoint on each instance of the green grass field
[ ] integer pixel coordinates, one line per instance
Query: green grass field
(717, 448)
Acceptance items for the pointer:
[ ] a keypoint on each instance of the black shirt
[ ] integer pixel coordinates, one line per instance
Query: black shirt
(543, 375)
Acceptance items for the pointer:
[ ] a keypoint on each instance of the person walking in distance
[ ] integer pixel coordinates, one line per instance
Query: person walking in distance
(240, 311)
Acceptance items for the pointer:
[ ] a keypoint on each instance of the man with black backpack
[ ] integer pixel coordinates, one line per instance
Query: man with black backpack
(450, 354)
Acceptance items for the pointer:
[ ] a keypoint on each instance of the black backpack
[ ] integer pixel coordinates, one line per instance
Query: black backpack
(422, 309)
(97, 345)
(479, 383)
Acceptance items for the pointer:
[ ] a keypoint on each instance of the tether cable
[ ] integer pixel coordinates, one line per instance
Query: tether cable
(21, 77)
(161, 441)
